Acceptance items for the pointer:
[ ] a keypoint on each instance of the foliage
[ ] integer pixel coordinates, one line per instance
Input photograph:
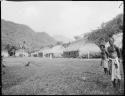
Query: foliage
(77, 37)
(109, 28)
(59, 43)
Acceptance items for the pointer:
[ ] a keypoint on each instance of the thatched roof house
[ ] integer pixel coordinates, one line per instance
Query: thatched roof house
(34, 54)
(55, 51)
(21, 53)
(83, 47)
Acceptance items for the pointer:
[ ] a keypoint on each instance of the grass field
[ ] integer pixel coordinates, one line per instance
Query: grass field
(56, 76)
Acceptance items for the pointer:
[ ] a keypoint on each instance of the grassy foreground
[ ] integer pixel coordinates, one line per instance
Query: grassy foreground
(56, 77)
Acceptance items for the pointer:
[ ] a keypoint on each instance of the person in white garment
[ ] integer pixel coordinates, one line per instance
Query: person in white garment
(114, 55)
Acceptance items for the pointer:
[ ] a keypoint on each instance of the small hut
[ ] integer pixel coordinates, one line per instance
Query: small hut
(5, 53)
(57, 51)
(21, 53)
(34, 54)
(45, 52)
(48, 53)
(53, 52)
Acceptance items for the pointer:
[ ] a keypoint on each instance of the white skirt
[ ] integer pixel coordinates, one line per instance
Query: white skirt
(115, 71)
(105, 63)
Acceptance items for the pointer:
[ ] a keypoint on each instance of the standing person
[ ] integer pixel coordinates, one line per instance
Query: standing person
(110, 66)
(114, 55)
(104, 57)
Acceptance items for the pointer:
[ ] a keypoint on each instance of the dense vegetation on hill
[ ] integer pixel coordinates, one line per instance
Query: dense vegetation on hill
(109, 28)
(15, 34)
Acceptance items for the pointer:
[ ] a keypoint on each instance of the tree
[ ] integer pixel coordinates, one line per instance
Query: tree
(7, 47)
(50, 46)
(77, 37)
(59, 43)
(109, 28)
(12, 51)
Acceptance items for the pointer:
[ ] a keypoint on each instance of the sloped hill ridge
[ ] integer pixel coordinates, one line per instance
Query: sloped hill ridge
(112, 27)
(14, 34)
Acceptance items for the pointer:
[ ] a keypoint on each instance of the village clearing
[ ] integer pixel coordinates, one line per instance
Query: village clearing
(58, 76)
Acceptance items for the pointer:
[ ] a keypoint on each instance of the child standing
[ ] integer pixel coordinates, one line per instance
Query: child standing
(104, 57)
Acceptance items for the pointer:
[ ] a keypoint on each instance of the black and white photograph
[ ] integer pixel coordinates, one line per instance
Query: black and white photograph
(62, 47)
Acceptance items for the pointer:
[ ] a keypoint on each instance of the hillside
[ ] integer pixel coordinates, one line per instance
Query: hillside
(112, 27)
(44, 39)
(14, 34)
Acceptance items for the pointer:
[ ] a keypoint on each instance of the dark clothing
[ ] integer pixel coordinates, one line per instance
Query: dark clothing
(104, 54)
(106, 71)
(113, 51)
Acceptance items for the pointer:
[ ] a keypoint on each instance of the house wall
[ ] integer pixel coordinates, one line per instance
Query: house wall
(21, 54)
(5, 54)
(70, 54)
(40, 54)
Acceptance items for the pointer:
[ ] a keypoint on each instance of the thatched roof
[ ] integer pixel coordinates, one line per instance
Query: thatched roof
(89, 47)
(83, 47)
(55, 49)
(58, 49)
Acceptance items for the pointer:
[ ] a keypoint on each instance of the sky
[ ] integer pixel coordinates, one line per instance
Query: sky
(66, 18)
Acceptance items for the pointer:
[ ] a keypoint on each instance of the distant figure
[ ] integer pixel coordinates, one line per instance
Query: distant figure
(110, 66)
(2, 62)
(27, 64)
(104, 57)
(114, 55)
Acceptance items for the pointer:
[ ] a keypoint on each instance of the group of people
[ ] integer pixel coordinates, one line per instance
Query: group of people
(110, 60)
